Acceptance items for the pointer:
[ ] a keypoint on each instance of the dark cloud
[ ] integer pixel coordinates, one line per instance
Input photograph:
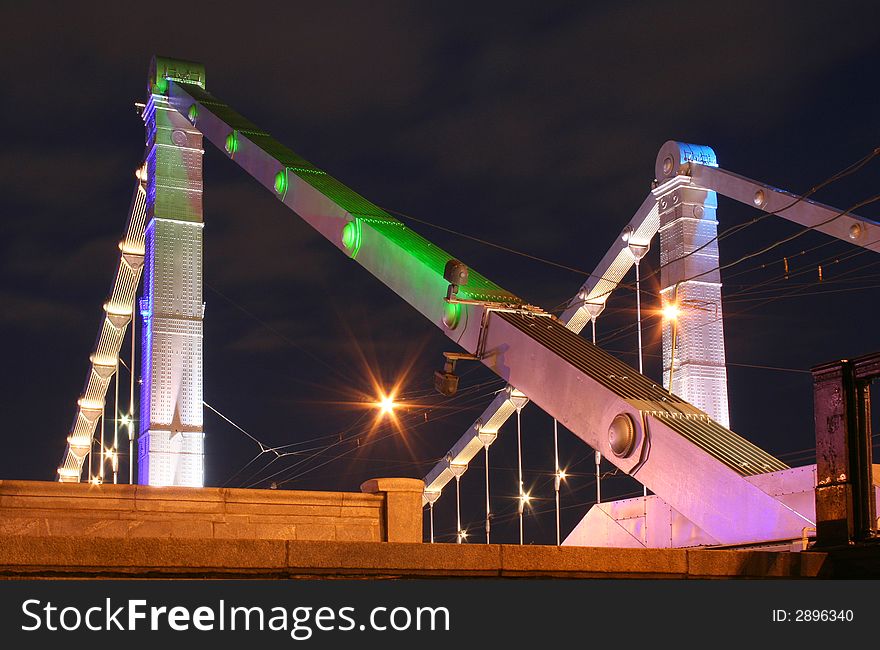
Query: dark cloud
(252, 242)
(57, 178)
(31, 315)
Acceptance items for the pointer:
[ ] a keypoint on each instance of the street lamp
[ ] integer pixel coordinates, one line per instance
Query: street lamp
(519, 401)
(638, 251)
(671, 312)
(524, 499)
(558, 477)
(431, 497)
(457, 470)
(111, 455)
(385, 404)
(487, 438)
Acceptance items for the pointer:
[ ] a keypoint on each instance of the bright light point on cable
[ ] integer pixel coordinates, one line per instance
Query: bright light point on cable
(464, 534)
(671, 311)
(526, 497)
(562, 475)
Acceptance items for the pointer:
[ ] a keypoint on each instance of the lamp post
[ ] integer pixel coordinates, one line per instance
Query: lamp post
(431, 496)
(457, 470)
(111, 455)
(672, 312)
(102, 456)
(519, 400)
(594, 309)
(519, 472)
(638, 251)
(559, 476)
(487, 438)
(116, 419)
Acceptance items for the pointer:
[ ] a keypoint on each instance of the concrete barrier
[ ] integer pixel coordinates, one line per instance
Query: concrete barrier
(388, 510)
(77, 530)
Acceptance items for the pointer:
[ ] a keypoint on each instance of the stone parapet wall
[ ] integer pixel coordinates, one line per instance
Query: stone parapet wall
(391, 511)
(75, 557)
(77, 530)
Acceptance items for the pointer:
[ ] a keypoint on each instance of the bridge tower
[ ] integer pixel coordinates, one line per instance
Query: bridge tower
(693, 343)
(171, 436)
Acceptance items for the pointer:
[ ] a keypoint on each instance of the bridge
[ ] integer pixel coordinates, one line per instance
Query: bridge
(704, 485)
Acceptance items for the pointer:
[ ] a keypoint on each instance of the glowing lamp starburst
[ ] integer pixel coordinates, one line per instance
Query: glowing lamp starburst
(386, 405)
(671, 311)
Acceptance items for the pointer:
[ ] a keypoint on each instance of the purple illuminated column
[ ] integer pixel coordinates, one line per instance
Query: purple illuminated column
(171, 441)
(691, 280)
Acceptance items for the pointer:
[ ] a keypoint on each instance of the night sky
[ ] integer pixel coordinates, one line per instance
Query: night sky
(533, 126)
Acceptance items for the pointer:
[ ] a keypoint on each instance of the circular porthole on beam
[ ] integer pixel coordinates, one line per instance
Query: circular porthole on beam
(622, 435)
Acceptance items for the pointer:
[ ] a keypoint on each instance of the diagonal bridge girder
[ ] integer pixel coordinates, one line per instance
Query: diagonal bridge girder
(584, 307)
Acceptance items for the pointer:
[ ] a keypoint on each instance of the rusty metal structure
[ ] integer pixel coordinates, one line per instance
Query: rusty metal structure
(846, 501)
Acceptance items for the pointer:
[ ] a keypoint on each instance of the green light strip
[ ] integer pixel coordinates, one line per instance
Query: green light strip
(364, 211)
